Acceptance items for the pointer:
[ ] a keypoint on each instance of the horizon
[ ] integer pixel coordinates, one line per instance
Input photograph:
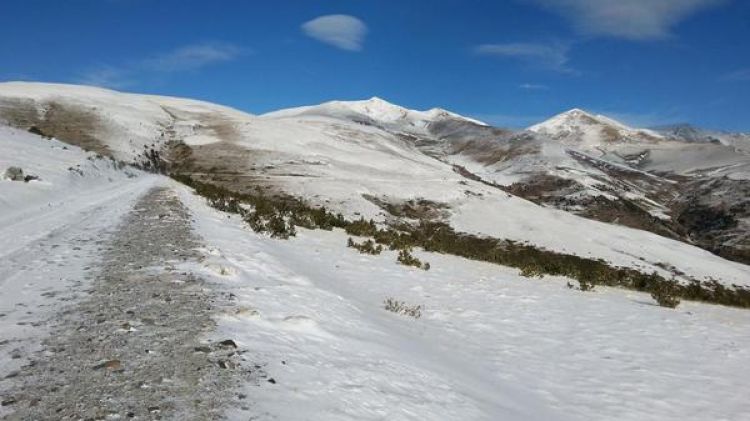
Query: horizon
(646, 67)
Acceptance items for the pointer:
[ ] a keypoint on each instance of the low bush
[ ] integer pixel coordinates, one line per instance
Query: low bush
(278, 215)
(584, 285)
(400, 307)
(407, 259)
(367, 247)
(666, 294)
(361, 228)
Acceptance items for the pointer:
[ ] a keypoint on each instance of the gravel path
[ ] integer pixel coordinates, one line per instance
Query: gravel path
(133, 347)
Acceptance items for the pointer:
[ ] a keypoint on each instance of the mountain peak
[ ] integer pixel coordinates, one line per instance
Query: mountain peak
(581, 114)
(581, 128)
(379, 100)
(576, 112)
(377, 109)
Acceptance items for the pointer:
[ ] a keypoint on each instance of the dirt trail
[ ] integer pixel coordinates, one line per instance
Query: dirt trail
(133, 348)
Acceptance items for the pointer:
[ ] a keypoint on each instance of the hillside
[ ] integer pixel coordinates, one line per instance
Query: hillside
(355, 168)
(170, 281)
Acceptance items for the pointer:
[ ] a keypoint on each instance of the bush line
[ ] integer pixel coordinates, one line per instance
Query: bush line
(278, 216)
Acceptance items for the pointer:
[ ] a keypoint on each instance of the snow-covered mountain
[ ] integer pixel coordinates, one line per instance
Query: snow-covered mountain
(600, 168)
(375, 111)
(689, 133)
(581, 129)
(278, 319)
(359, 157)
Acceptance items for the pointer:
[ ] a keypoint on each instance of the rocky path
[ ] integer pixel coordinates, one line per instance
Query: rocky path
(135, 346)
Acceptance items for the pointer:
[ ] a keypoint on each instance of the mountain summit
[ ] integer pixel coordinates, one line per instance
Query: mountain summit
(375, 111)
(583, 129)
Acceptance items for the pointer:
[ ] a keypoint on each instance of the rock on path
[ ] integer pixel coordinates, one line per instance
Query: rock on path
(132, 348)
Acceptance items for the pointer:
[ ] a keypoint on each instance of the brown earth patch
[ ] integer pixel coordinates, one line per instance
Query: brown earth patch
(72, 124)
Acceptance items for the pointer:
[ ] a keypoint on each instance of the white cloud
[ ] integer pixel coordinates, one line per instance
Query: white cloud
(533, 87)
(193, 57)
(186, 58)
(106, 77)
(550, 56)
(341, 31)
(629, 19)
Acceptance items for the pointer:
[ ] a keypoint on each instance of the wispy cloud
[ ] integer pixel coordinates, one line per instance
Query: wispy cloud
(741, 74)
(628, 19)
(533, 87)
(186, 58)
(549, 56)
(192, 57)
(341, 31)
(106, 77)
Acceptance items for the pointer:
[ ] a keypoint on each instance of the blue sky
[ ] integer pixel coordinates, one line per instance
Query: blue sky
(509, 62)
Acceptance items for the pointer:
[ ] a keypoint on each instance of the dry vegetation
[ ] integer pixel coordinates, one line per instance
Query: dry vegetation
(279, 215)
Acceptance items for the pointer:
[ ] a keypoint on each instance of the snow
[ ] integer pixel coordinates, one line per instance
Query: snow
(128, 123)
(666, 153)
(372, 162)
(378, 110)
(67, 177)
(516, 219)
(582, 129)
(489, 345)
(325, 155)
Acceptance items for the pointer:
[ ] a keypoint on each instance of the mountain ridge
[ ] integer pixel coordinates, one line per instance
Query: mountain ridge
(478, 176)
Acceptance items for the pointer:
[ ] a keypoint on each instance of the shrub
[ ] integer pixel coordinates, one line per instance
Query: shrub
(279, 215)
(532, 271)
(585, 285)
(400, 307)
(406, 258)
(367, 247)
(278, 227)
(362, 228)
(666, 294)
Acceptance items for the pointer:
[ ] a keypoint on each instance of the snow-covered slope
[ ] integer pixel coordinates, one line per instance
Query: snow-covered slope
(112, 123)
(334, 160)
(686, 132)
(490, 345)
(680, 150)
(308, 313)
(581, 129)
(600, 168)
(67, 177)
